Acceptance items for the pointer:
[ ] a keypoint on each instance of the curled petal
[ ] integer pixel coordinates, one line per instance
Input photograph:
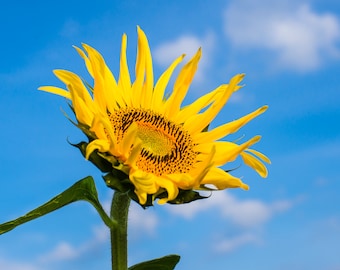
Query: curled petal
(100, 145)
(144, 184)
(170, 187)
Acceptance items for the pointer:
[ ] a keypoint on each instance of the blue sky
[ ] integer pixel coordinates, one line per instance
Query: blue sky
(290, 52)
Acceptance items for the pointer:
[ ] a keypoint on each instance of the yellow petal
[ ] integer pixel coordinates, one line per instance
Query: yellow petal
(193, 179)
(69, 78)
(182, 180)
(225, 151)
(86, 60)
(227, 128)
(103, 128)
(132, 156)
(255, 164)
(56, 90)
(137, 86)
(197, 123)
(197, 106)
(158, 94)
(83, 104)
(142, 196)
(130, 139)
(105, 91)
(147, 92)
(183, 81)
(124, 81)
(84, 110)
(260, 155)
(170, 187)
(144, 183)
(222, 180)
(202, 167)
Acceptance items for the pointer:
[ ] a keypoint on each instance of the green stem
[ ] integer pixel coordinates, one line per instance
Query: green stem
(119, 213)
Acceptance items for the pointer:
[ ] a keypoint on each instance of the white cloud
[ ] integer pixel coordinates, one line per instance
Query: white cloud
(245, 213)
(230, 244)
(15, 265)
(141, 221)
(298, 37)
(167, 52)
(65, 251)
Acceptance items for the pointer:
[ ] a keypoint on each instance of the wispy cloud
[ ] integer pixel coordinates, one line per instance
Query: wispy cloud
(298, 37)
(245, 213)
(63, 251)
(246, 219)
(167, 52)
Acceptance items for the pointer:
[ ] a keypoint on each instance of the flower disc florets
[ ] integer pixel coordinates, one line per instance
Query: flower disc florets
(166, 147)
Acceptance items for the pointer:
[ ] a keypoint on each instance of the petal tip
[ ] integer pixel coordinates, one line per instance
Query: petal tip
(244, 186)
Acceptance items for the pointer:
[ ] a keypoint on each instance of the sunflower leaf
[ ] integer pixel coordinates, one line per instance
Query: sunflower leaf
(164, 263)
(84, 189)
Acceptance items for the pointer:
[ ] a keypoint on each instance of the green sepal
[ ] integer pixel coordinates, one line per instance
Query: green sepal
(101, 163)
(164, 263)
(84, 189)
(187, 196)
(84, 128)
(117, 180)
(206, 128)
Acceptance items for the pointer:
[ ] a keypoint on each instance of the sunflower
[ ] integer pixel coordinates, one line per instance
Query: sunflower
(162, 147)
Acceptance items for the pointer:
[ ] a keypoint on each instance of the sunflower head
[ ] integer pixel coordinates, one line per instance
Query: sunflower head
(148, 144)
